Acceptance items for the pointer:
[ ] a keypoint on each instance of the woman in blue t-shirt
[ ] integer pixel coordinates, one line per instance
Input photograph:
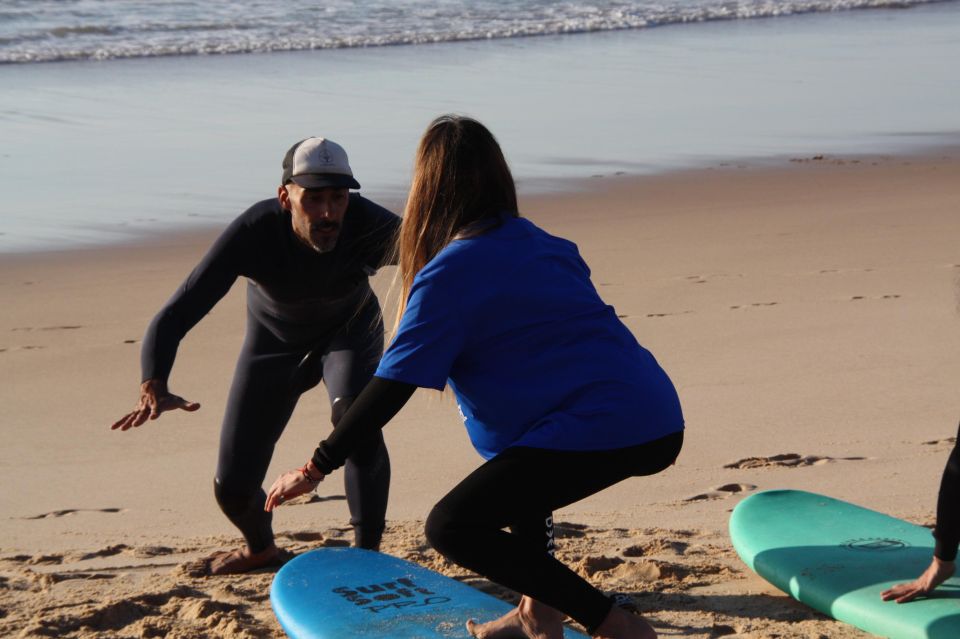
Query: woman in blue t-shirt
(555, 392)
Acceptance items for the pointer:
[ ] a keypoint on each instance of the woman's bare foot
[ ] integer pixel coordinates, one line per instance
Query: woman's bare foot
(233, 562)
(506, 627)
(620, 624)
(529, 620)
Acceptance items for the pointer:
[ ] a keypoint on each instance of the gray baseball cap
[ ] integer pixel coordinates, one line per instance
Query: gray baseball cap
(315, 163)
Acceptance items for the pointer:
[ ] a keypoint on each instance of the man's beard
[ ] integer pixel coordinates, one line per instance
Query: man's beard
(323, 245)
(320, 242)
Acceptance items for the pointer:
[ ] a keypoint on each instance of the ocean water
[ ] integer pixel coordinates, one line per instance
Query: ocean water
(120, 119)
(52, 30)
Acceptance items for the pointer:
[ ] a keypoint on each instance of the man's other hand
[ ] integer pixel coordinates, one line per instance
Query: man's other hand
(154, 400)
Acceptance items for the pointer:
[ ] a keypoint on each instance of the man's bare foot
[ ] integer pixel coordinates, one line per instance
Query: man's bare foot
(529, 620)
(623, 625)
(241, 560)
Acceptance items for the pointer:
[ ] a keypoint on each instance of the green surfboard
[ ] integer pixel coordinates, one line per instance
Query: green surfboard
(837, 557)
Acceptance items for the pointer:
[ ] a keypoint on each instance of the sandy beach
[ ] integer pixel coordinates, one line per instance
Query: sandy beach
(806, 309)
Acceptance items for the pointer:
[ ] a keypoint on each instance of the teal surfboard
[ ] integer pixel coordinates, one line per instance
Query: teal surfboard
(334, 593)
(837, 558)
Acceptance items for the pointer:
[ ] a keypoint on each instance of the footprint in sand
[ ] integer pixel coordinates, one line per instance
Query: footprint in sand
(86, 575)
(45, 560)
(150, 614)
(631, 572)
(703, 279)
(591, 565)
(569, 530)
(753, 305)
(303, 536)
(17, 559)
(722, 492)
(941, 444)
(669, 314)
(57, 558)
(678, 572)
(845, 270)
(146, 552)
(109, 551)
(656, 547)
(881, 297)
(73, 511)
(789, 460)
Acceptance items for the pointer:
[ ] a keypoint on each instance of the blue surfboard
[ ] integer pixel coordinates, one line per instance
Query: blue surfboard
(837, 557)
(333, 593)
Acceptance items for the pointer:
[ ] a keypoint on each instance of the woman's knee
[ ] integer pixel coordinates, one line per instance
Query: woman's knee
(444, 529)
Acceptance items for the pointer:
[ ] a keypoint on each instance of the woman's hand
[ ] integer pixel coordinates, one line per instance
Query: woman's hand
(292, 484)
(935, 574)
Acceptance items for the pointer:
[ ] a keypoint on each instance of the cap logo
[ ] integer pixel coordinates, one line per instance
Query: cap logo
(319, 155)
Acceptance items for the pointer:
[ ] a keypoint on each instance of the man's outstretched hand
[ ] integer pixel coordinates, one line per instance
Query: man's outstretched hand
(154, 400)
(935, 574)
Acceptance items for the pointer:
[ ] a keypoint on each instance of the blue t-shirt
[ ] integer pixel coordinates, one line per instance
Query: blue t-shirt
(510, 320)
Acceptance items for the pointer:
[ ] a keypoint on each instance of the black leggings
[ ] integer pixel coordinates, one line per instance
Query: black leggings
(520, 488)
(269, 379)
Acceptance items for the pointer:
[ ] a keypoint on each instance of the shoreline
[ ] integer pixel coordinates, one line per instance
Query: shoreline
(543, 189)
(807, 312)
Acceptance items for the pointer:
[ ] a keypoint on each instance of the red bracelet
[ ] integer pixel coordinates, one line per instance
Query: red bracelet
(305, 471)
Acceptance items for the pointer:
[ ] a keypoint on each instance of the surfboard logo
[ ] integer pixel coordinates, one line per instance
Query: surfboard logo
(877, 544)
(398, 593)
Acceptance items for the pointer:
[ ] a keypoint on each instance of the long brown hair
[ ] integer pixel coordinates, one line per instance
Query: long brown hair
(461, 184)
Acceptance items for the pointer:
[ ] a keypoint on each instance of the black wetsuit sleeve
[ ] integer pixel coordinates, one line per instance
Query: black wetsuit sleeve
(202, 289)
(947, 530)
(376, 405)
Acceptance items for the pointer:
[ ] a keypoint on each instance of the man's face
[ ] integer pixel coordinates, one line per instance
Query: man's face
(317, 214)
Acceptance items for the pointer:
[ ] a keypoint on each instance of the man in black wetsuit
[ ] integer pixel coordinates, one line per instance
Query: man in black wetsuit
(311, 315)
